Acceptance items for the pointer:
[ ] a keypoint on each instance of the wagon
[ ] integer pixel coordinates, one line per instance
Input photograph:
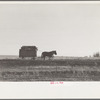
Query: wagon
(28, 51)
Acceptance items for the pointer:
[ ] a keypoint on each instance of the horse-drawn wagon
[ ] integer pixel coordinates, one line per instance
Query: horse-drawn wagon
(28, 51)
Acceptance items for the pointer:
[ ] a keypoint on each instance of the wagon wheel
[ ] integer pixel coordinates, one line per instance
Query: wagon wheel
(22, 57)
(33, 58)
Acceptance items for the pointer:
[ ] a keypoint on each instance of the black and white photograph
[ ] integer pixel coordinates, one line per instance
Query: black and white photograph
(49, 42)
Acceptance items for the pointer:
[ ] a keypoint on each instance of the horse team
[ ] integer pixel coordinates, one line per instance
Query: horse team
(48, 54)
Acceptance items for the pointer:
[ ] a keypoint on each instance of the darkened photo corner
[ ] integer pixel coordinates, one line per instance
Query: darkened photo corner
(49, 41)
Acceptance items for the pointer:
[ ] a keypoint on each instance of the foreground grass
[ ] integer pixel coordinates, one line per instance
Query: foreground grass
(50, 70)
(51, 76)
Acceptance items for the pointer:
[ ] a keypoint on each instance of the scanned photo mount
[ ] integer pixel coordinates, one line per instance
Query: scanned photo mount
(49, 41)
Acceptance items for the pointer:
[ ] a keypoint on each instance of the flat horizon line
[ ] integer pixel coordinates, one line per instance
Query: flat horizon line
(54, 56)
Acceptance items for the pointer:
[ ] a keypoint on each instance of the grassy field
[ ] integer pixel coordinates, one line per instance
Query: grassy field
(69, 69)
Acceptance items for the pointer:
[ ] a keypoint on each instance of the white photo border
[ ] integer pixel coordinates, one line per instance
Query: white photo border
(45, 90)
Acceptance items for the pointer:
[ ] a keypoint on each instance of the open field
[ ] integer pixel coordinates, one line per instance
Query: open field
(69, 69)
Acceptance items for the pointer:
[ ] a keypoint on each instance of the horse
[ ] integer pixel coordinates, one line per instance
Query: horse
(48, 54)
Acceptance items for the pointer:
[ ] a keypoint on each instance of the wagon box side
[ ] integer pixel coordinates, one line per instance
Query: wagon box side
(27, 52)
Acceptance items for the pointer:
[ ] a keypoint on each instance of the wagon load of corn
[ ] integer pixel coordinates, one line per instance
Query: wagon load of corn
(28, 51)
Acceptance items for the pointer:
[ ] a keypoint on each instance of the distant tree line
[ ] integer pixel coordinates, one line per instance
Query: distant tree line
(97, 54)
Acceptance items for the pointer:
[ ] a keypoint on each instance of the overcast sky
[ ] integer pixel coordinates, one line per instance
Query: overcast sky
(73, 29)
